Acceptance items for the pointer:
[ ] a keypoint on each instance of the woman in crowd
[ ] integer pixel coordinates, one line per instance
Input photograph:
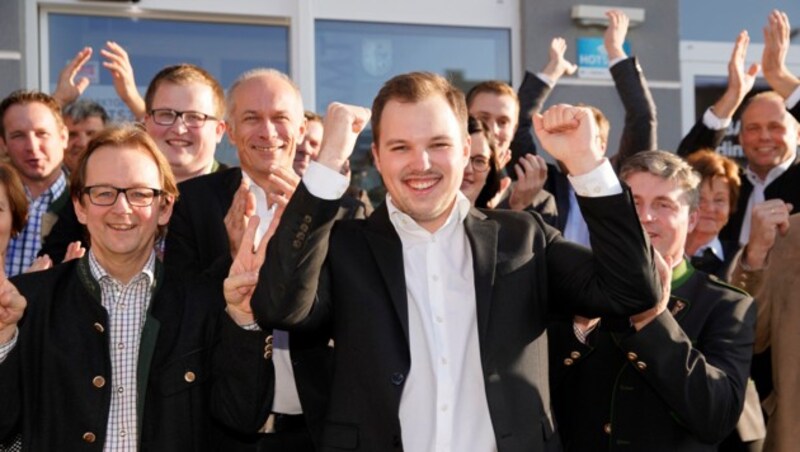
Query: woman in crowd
(719, 192)
(482, 175)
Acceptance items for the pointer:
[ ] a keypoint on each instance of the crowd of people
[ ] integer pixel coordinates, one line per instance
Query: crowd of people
(153, 298)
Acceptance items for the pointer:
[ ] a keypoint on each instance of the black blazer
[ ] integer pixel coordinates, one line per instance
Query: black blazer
(197, 249)
(524, 271)
(676, 385)
(639, 132)
(47, 382)
(785, 187)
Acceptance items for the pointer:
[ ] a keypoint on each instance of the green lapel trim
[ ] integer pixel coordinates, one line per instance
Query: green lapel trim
(147, 346)
(147, 343)
(681, 274)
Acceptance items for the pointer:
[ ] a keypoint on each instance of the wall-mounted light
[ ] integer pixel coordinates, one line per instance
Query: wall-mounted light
(595, 16)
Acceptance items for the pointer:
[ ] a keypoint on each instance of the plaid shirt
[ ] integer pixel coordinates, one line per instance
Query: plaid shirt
(22, 250)
(127, 308)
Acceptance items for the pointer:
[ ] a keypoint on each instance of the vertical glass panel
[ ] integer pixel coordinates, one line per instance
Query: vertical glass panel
(223, 49)
(353, 60)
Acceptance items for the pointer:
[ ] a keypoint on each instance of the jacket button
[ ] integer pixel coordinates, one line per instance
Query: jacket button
(398, 378)
(297, 244)
(607, 428)
(99, 327)
(268, 340)
(307, 219)
(632, 356)
(189, 376)
(641, 365)
(89, 437)
(575, 355)
(304, 227)
(98, 381)
(568, 362)
(268, 353)
(301, 236)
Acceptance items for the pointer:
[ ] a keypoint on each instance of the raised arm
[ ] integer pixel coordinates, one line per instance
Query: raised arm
(533, 93)
(639, 132)
(289, 284)
(709, 131)
(119, 65)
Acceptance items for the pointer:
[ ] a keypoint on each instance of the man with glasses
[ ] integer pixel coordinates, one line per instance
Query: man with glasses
(111, 355)
(184, 108)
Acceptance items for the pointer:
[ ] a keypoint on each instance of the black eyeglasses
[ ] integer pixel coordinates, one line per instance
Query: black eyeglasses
(106, 195)
(168, 116)
(479, 163)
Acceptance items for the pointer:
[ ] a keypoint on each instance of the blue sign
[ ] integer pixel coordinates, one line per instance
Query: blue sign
(593, 59)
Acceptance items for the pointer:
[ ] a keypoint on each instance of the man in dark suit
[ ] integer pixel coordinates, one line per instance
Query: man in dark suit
(639, 132)
(676, 379)
(438, 311)
(265, 123)
(768, 133)
(109, 354)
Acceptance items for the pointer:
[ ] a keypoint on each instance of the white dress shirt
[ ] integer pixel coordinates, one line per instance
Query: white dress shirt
(757, 195)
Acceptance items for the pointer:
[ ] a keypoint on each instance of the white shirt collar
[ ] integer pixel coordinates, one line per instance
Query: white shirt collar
(716, 247)
(404, 223)
(773, 174)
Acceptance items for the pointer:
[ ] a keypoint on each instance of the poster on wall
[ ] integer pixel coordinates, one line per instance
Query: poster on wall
(593, 58)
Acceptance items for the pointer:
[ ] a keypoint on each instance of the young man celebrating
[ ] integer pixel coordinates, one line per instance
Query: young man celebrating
(437, 310)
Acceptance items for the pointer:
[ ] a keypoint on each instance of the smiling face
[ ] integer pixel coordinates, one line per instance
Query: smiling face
(474, 180)
(664, 212)
(769, 134)
(189, 150)
(499, 112)
(122, 234)
(715, 206)
(35, 141)
(266, 122)
(421, 156)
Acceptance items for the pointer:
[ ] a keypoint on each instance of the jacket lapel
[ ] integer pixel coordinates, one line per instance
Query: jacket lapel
(482, 235)
(388, 252)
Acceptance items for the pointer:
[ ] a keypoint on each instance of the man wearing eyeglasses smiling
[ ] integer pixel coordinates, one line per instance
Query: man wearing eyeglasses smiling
(110, 354)
(185, 107)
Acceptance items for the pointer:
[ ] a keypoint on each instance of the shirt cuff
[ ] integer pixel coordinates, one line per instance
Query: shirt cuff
(6, 348)
(614, 62)
(793, 98)
(714, 122)
(547, 80)
(601, 181)
(324, 182)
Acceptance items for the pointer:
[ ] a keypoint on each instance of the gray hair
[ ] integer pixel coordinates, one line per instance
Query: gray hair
(668, 166)
(257, 73)
(82, 109)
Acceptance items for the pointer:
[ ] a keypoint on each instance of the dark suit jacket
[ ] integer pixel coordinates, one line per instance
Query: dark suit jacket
(785, 187)
(523, 271)
(639, 132)
(197, 248)
(46, 383)
(676, 385)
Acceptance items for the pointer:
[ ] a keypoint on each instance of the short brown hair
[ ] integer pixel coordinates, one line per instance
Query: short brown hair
(125, 135)
(29, 97)
(710, 165)
(667, 166)
(493, 87)
(17, 201)
(414, 87)
(183, 74)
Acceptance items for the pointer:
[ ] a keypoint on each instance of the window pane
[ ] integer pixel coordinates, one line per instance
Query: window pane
(223, 49)
(353, 60)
